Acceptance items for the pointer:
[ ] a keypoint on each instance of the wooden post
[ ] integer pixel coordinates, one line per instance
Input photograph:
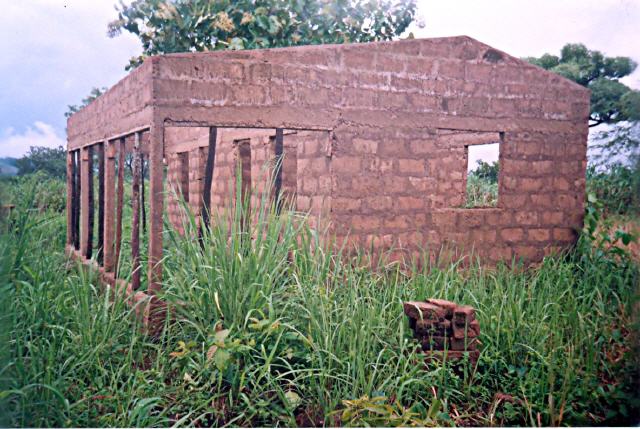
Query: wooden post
(279, 150)
(208, 179)
(156, 204)
(100, 249)
(76, 198)
(86, 201)
(109, 205)
(135, 220)
(70, 191)
(120, 204)
(143, 207)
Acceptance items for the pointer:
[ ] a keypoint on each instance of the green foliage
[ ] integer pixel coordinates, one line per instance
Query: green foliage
(602, 241)
(95, 93)
(48, 194)
(619, 142)
(165, 26)
(617, 189)
(487, 171)
(375, 412)
(611, 100)
(482, 185)
(50, 161)
(481, 192)
(271, 328)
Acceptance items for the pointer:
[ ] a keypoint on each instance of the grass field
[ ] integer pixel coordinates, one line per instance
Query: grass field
(269, 332)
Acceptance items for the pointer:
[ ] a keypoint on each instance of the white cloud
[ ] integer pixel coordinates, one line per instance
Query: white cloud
(40, 134)
(532, 28)
(53, 53)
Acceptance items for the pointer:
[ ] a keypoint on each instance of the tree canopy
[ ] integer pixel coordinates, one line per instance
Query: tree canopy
(95, 93)
(611, 100)
(487, 170)
(165, 26)
(51, 161)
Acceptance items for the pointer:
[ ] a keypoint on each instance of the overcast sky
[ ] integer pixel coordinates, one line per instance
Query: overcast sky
(55, 51)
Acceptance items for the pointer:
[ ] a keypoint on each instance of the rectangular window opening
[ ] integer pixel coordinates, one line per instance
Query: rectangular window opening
(482, 175)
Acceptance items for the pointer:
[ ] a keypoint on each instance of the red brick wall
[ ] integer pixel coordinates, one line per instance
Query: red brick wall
(123, 108)
(387, 165)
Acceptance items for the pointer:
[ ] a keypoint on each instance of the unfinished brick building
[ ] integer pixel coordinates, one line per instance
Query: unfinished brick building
(375, 139)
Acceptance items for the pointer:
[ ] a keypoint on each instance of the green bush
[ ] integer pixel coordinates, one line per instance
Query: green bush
(482, 185)
(49, 194)
(617, 187)
(481, 192)
(41, 159)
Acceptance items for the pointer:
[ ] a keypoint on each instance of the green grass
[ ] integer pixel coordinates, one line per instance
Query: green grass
(271, 328)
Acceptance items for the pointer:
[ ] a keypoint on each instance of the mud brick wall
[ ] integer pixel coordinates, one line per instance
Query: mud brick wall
(123, 108)
(393, 121)
(400, 117)
(314, 177)
(186, 150)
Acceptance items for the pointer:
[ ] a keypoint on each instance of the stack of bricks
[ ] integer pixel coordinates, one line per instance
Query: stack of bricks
(445, 330)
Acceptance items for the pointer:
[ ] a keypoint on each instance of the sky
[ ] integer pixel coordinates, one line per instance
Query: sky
(56, 51)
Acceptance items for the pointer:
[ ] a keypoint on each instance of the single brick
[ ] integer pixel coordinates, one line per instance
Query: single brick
(470, 330)
(447, 305)
(431, 327)
(463, 314)
(463, 343)
(435, 343)
(422, 310)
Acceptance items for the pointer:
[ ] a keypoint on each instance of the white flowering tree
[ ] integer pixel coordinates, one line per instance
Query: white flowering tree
(165, 26)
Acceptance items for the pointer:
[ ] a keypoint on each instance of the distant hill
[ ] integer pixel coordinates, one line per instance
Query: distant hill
(8, 166)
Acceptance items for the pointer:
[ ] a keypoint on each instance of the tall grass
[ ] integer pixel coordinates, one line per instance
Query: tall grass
(481, 192)
(271, 326)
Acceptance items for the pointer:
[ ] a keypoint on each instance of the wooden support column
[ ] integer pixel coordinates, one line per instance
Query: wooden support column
(208, 178)
(143, 207)
(156, 205)
(70, 190)
(109, 204)
(76, 199)
(279, 150)
(86, 202)
(135, 220)
(120, 204)
(100, 250)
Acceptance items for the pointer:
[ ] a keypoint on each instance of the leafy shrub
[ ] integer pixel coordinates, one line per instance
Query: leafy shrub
(482, 185)
(41, 159)
(481, 192)
(49, 194)
(487, 171)
(617, 188)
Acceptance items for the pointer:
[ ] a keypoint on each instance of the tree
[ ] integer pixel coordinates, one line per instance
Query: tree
(611, 100)
(95, 93)
(165, 26)
(487, 171)
(52, 161)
